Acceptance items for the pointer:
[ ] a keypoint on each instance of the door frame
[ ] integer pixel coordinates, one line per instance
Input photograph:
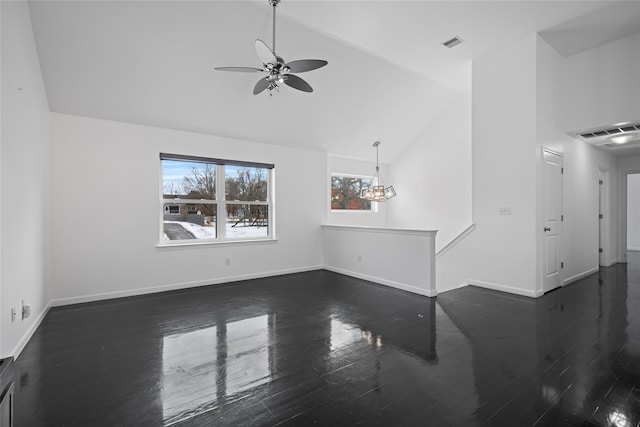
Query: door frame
(604, 209)
(541, 210)
(623, 213)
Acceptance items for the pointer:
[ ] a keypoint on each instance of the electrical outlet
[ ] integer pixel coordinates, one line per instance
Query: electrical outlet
(504, 211)
(227, 261)
(13, 314)
(359, 258)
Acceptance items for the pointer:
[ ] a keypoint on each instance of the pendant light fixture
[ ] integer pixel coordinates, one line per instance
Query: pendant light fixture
(377, 191)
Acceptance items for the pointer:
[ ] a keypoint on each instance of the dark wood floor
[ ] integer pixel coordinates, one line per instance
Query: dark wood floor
(324, 349)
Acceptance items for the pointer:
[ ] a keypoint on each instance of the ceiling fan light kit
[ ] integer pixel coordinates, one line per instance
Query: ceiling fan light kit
(279, 72)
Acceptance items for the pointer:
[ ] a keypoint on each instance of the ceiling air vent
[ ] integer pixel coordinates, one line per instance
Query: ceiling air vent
(611, 131)
(453, 42)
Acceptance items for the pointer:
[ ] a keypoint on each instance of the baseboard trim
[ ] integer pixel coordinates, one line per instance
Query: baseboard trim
(633, 249)
(461, 285)
(176, 286)
(390, 283)
(503, 288)
(577, 277)
(29, 332)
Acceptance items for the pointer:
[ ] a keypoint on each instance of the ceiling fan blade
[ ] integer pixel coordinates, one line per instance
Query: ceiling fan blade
(297, 83)
(240, 69)
(261, 85)
(265, 54)
(303, 65)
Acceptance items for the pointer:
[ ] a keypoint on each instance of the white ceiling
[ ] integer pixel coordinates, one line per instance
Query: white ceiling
(388, 75)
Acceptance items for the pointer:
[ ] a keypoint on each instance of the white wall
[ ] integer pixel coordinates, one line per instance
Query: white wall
(601, 86)
(629, 164)
(375, 218)
(501, 253)
(504, 168)
(2, 310)
(633, 212)
(518, 108)
(24, 192)
(105, 187)
(433, 177)
(581, 162)
(580, 206)
(403, 259)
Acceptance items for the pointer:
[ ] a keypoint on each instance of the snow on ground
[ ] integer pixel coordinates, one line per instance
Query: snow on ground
(238, 232)
(243, 232)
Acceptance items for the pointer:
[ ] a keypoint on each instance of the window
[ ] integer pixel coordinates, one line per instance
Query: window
(345, 193)
(172, 209)
(207, 199)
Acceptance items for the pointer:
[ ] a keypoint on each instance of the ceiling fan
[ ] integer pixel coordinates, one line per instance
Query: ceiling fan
(278, 71)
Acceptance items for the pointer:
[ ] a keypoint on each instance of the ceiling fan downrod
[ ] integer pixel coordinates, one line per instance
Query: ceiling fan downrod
(274, 4)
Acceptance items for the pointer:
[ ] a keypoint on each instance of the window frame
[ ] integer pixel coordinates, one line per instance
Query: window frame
(220, 202)
(374, 205)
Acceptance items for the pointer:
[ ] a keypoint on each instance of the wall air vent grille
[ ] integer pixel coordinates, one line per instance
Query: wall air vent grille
(453, 42)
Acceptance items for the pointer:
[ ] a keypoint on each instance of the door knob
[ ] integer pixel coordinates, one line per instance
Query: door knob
(547, 229)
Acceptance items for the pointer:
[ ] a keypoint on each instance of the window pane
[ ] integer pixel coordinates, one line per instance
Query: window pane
(185, 221)
(188, 180)
(247, 221)
(345, 193)
(245, 184)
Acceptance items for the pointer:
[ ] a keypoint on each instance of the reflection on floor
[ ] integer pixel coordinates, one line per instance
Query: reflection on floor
(319, 348)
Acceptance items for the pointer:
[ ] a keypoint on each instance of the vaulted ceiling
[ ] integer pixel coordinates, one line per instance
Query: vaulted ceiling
(388, 76)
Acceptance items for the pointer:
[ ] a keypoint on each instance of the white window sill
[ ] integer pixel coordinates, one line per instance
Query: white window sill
(353, 211)
(191, 244)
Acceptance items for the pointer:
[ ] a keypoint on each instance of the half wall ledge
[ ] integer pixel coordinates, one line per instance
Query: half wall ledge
(396, 257)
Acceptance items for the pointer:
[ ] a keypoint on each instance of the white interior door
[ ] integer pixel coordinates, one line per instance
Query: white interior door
(602, 176)
(552, 223)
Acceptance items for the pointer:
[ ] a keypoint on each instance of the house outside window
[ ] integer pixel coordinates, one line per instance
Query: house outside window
(214, 200)
(345, 193)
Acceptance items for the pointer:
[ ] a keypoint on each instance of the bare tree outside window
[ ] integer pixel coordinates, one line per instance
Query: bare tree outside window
(201, 183)
(172, 189)
(246, 184)
(345, 193)
(249, 184)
